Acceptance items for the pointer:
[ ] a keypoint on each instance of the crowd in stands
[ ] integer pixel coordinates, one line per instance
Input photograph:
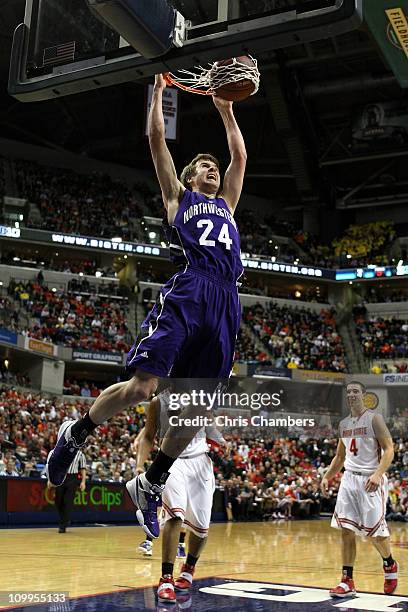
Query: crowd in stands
(360, 246)
(81, 388)
(260, 478)
(29, 423)
(94, 203)
(246, 350)
(84, 287)
(9, 377)
(298, 338)
(390, 368)
(376, 295)
(75, 203)
(91, 322)
(8, 314)
(257, 238)
(381, 338)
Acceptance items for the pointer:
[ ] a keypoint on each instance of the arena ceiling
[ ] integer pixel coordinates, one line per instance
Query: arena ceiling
(297, 128)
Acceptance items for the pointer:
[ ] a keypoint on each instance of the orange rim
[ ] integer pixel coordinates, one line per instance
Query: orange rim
(170, 81)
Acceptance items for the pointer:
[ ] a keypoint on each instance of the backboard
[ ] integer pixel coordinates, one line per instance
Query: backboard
(62, 48)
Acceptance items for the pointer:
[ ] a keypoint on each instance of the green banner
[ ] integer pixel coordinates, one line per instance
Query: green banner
(388, 22)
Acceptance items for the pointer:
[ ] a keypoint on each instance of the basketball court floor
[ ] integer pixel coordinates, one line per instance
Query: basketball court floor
(284, 566)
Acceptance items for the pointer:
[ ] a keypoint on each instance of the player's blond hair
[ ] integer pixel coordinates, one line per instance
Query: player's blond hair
(190, 169)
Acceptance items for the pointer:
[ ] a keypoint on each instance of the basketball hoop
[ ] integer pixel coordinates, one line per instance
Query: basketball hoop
(218, 75)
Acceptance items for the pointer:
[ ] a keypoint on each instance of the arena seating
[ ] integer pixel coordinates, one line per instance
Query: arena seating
(298, 338)
(382, 338)
(70, 202)
(76, 203)
(77, 318)
(260, 479)
(246, 351)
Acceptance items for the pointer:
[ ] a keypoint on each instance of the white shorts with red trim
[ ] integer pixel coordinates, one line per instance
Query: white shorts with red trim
(188, 493)
(362, 512)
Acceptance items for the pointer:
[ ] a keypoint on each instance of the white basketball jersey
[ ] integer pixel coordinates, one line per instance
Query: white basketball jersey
(198, 444)
(363, 451)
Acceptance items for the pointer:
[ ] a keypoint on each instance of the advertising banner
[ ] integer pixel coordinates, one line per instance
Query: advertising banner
(395, 379)
(170, 111)
(265, 370)
(39, 346)
(303, 375)
(388, 22)
(83, 355)
(8, 336)
(28, 495)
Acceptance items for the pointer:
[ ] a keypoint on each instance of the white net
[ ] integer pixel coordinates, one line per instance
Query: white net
(206, 81)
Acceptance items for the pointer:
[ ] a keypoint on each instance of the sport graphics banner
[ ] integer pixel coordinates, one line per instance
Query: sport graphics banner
(110, 357)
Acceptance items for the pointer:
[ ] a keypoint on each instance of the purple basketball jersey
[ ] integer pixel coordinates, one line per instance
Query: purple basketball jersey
(204, 235)
(192, 329)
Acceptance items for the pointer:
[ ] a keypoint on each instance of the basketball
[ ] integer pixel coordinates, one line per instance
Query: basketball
(236, 91)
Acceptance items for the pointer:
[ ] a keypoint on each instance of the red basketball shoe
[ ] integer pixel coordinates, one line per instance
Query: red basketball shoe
(390, 578)
(165, 590)
(184, 582)
(344, 588)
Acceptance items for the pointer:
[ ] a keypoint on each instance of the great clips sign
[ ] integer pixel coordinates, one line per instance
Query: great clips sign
(26, 495)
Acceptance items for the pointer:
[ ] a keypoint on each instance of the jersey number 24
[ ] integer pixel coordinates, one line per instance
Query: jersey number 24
(222, 237)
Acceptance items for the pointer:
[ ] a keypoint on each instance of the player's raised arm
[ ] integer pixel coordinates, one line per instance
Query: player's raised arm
(172, 189)
(387, 445)
(234, 176)
(147, 435)
(335, 466)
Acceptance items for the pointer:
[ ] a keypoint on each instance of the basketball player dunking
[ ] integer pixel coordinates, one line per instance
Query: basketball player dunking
(366, 450)
(192, 329)
(187, 497)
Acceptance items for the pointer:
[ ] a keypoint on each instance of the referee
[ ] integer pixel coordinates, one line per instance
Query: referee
(65, 494)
